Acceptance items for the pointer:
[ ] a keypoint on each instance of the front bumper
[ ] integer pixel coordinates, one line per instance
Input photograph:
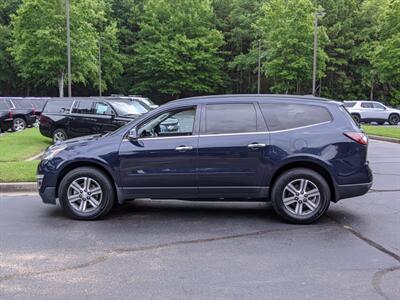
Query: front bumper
(352, 190)
(48, 194)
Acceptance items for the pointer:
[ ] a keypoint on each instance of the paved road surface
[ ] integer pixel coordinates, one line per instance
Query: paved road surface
(182, 250)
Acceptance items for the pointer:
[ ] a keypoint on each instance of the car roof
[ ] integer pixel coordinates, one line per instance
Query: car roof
(258, 97)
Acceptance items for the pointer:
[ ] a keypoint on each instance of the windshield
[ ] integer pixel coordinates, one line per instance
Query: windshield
(125, 108)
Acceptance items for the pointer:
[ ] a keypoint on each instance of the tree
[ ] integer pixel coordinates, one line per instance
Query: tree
(40, 41)
(367, 22)
(9, 82)
(286, 31)
(235, 19)
(386, 55)
(339, 21)
(177, 52)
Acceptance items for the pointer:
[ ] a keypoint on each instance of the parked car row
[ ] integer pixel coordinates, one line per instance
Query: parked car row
(18, 113)
(372, 111)
(66, 118)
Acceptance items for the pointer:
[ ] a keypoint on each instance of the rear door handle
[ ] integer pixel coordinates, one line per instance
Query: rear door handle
(184, 148)
(256, 146)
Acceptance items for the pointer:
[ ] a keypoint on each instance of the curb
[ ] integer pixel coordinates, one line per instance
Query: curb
(18, 187)
(385, 139)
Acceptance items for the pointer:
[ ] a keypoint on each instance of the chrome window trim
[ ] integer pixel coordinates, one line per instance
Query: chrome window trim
(230, 134)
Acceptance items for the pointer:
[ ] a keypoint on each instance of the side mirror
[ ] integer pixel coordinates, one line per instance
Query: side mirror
(133, 135)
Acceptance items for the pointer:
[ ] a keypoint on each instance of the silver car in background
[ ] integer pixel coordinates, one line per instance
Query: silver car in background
(372, 111)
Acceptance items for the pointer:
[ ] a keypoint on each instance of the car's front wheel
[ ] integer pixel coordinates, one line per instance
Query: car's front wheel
(86, 194)
(300, 196)
(394, 119)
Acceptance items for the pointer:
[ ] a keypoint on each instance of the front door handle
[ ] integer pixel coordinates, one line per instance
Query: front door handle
(256, 146)
(184, 148)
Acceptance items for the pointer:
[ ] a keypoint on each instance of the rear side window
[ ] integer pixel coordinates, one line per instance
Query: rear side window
(367, 105)
(62, 106)
(230, 118)
(84, 107)
(288, 116)
(21, 103)
(349, 104)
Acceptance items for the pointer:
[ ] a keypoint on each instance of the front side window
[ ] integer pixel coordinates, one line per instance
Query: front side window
(230, 118)
(172, 123)
(288, 116)
(83, 107)
(101, 108)
(129, 108)
(378, 105)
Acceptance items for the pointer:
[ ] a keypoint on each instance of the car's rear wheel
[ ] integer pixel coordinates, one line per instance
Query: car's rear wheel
(86, 194)
(19, 124)
(59, 135)
(300, 196)
(356, 118)
(394, 119)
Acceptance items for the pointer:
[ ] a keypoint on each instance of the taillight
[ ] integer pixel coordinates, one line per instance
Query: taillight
(10, 115)
(33, 111)
(358, 137)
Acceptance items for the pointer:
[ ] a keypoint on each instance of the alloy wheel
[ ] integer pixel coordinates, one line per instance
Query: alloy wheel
(59, 136)
(84, 194)
(301, 197)
(19, 125)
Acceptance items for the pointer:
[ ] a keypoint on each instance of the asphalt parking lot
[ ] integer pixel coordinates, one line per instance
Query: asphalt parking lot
(184, 250)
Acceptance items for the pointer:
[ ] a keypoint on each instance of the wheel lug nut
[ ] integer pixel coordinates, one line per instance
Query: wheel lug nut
(296, 198)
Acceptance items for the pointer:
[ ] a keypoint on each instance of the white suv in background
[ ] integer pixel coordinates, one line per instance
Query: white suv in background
(372, 111)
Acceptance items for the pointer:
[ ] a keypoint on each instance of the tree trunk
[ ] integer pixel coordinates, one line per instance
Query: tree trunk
(371, 93)
(61, 85)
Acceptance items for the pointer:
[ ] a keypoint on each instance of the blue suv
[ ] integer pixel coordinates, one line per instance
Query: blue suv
(300, 153)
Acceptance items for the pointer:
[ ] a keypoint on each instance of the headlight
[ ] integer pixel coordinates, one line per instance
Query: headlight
(53, 152)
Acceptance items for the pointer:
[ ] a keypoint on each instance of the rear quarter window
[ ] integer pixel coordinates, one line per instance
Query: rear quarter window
(4, 104)
(58, 106)
(349, 104)
(289, 116)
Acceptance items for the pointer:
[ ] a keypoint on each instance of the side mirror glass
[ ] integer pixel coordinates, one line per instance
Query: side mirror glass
(133, 135)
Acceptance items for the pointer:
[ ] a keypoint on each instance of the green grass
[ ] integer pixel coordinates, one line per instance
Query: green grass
(18, 146)
(15, 148)
(393, 132)
(18, 171)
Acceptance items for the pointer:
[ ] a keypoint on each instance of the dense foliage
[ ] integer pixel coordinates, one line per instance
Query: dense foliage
(168, 49)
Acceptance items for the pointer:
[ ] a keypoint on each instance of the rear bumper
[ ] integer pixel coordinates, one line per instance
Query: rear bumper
(352, 190)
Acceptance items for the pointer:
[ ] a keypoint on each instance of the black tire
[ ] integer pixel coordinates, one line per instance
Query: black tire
(19, 124)
(290, 176)
(105, 203)
(356, 118)
(59, 135)
(380, 123)
(394, 119)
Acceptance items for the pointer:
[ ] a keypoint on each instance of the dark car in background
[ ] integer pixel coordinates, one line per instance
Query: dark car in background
(6, 116)
(22, 112)
(39, 104)
(300, 153)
